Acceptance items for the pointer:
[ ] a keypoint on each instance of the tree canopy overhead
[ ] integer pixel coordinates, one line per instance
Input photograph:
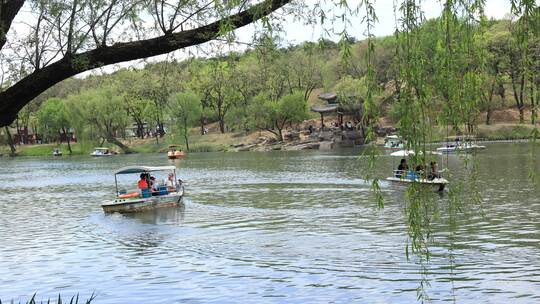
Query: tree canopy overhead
(65, 38)
(60, 39)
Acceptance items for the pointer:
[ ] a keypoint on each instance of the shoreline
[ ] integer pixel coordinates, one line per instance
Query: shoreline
(45, 150)
(266, 141)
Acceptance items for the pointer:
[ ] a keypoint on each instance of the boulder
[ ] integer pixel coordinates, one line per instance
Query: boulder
(304, 146)
(293, 135)
(246, 147)
(326, 145)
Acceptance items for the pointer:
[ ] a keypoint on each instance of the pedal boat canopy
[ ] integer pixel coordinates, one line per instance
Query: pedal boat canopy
(143, 169)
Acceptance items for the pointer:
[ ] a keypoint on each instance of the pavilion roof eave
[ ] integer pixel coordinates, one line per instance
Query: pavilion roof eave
(325, 109)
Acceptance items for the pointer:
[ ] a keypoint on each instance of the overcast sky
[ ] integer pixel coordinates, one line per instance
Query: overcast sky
(296, 32)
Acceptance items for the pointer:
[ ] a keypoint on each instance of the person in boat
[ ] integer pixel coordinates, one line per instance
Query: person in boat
(170, 182)
(420, 170)
(143, 182)
(434, 171)
(402, 167)
(152, 185)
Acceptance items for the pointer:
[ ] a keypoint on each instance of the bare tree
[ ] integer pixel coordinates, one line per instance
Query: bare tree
(73, 36)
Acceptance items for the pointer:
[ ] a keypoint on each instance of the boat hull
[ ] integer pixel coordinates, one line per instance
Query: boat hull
(437, 183)
(460, 149)
(175, 155)
(142, 204)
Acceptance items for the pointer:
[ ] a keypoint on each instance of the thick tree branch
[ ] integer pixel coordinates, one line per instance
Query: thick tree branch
(8, 11)
(17, 96)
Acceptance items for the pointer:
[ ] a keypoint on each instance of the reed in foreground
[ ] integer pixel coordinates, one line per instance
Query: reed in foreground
(73, 300)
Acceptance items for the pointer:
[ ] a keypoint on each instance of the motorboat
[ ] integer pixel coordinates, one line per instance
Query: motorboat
(100, 151)
(436, 183)
(407, 177)
(160, 195)
(57, 152)
(466, 147)
(404, 153)
(393, 142)
(174, 152)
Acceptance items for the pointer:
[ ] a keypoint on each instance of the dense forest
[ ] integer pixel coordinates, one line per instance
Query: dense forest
(457, 72)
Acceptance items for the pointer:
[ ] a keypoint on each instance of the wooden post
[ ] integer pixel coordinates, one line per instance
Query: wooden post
(322, 121)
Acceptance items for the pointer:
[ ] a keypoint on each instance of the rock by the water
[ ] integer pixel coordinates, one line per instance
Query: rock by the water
(326, 145)
(305, 146)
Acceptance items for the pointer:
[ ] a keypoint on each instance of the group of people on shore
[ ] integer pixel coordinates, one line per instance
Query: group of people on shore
(348, 126)
(403, 171)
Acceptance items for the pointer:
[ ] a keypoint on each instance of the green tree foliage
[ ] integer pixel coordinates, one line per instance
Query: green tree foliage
(351, 94)
(132, 86)
(442, 72)
(102, 112)
(60, 39)
(54, 120)
(186, 110)
(274, 115)
(222, 95)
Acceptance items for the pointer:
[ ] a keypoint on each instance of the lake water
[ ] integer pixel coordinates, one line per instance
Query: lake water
(279, 227)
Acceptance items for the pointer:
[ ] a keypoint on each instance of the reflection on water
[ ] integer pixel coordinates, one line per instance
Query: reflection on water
(270, 228)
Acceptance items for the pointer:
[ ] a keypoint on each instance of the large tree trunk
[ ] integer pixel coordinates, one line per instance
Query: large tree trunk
(17, 96)
(10, 142)
(280, 132)
(222, 125)
(186, 139)
(518, 95)
(140, 130)
(534, 99)
(8, 11)
(119, 144)
(203, 120)
(67, 139)
(19, 137)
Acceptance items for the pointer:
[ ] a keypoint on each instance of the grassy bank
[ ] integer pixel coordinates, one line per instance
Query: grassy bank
(47, 149)
(198, 143)
(222, 142)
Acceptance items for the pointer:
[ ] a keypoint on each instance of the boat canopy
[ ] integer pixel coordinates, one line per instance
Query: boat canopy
(101, 148)
(141, 169)
(392, 137)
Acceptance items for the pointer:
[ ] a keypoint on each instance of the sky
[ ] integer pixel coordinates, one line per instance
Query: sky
(295, 32)
(384, 9)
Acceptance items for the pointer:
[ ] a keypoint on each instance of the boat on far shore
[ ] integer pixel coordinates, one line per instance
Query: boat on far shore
(57, 152)
(393, 142)
(459, 146)
(101, 151)
(175, 153)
